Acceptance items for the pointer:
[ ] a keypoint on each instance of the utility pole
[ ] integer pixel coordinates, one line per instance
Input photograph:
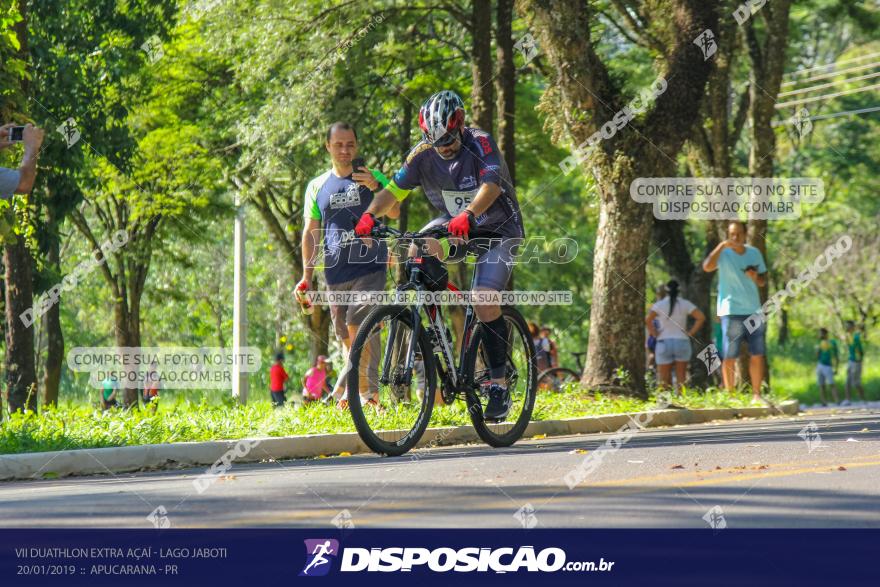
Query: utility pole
(239, 304)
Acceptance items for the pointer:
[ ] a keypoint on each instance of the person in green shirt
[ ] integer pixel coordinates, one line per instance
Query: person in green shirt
(108, 396)
(826, 355)
(854, 365)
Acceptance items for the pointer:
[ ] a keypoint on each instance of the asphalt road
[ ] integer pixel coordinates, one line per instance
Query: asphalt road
(757, 473)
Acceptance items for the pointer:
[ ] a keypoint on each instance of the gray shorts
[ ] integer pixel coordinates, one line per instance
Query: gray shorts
(345, 314)
(495, 265)
(854, 374)
(824, 374)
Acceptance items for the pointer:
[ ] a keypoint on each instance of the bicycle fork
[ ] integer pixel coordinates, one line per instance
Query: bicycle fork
(392, 349)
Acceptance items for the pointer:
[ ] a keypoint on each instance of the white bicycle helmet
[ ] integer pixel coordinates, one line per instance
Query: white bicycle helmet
(440, 116)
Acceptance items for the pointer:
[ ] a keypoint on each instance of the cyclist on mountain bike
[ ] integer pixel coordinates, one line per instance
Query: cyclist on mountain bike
(465, 178)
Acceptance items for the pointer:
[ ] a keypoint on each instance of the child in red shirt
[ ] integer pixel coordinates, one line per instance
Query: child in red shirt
(277, 378)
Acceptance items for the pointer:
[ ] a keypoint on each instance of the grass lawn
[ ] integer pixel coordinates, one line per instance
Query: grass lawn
(74, 425)
(190, 416)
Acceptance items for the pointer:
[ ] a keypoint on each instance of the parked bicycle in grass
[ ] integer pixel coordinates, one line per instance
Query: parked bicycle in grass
(559, 378)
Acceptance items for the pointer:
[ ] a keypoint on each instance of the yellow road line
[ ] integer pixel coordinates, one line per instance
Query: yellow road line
(780, 473)
(819, 465)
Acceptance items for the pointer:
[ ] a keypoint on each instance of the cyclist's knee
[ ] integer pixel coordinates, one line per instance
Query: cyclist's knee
(487, 313)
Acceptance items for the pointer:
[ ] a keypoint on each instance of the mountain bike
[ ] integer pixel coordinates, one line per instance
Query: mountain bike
(556, 378)
(394, 417)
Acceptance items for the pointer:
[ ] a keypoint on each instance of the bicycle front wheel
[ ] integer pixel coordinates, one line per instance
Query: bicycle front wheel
(390, 412)
(520, 375)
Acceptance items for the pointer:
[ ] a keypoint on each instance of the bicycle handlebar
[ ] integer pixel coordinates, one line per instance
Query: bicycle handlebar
(473, 246)
(384, 231)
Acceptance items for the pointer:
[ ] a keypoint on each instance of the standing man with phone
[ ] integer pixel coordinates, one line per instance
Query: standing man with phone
(21, 180)
(334, 202)
(741, 271)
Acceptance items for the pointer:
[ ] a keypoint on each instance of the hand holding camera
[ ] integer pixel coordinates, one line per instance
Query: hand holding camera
(31, 136)
(364, 178)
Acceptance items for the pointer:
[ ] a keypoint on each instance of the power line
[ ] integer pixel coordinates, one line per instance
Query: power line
(844, 113)
(832, 115)
(829, 84)
(826, 96)
(833, 73)
(833, 65)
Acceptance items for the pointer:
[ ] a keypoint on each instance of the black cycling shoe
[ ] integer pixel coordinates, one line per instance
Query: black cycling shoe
(499, 402)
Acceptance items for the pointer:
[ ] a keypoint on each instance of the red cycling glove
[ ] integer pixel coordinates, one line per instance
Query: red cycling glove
(365, 224)
(461, 224)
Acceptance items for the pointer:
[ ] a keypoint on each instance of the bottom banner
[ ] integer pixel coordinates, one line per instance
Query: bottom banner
(435, 557)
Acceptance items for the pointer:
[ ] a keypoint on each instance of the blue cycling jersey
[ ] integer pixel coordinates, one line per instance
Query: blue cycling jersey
(451, 184)
(338, 203)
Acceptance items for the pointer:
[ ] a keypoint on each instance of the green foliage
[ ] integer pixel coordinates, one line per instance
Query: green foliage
(245, 89)
(13, 69)
(72, 426)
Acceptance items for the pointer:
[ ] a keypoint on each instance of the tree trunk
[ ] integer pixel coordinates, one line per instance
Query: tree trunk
(482, 93)
(699, 291)
(715, 142)
(280, 292)
(585, 98)
(506, 82)
(616, 357)
(20, 373)
(54, 336)
(126, 337)
(768, 65)
(403, 146)
(218, 325)
(318, 324)
(21, 376)
(782, 340)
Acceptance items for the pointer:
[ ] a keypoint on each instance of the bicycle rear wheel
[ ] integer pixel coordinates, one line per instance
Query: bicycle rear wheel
(398, 418)
(557, 378)
(520, 375)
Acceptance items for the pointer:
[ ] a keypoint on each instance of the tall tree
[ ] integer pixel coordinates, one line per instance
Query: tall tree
(21, 375)
(79, 77)
(710, 152)
(582, 98)
(767, 56)
(506, 84)
(482, 72)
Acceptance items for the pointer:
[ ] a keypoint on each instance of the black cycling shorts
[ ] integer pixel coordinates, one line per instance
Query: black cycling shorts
(495, 264)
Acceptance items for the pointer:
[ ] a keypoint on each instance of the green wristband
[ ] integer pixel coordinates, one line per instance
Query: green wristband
(380, 177)
(399, 193)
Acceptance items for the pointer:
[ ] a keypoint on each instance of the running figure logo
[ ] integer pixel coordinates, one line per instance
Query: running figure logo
(317, 553)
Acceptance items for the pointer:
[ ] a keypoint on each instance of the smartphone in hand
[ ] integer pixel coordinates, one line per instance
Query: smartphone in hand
(16, 134)
(751, 268)
(357, 163)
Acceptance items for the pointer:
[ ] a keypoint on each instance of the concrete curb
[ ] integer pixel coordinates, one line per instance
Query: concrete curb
(156, 456)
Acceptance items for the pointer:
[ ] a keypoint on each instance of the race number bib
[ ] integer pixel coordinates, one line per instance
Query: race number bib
(457, 201)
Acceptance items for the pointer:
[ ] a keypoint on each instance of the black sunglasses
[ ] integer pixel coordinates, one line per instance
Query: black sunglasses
(445, 140)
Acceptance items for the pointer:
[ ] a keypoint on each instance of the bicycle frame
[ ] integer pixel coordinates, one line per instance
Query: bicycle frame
(434, 314)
